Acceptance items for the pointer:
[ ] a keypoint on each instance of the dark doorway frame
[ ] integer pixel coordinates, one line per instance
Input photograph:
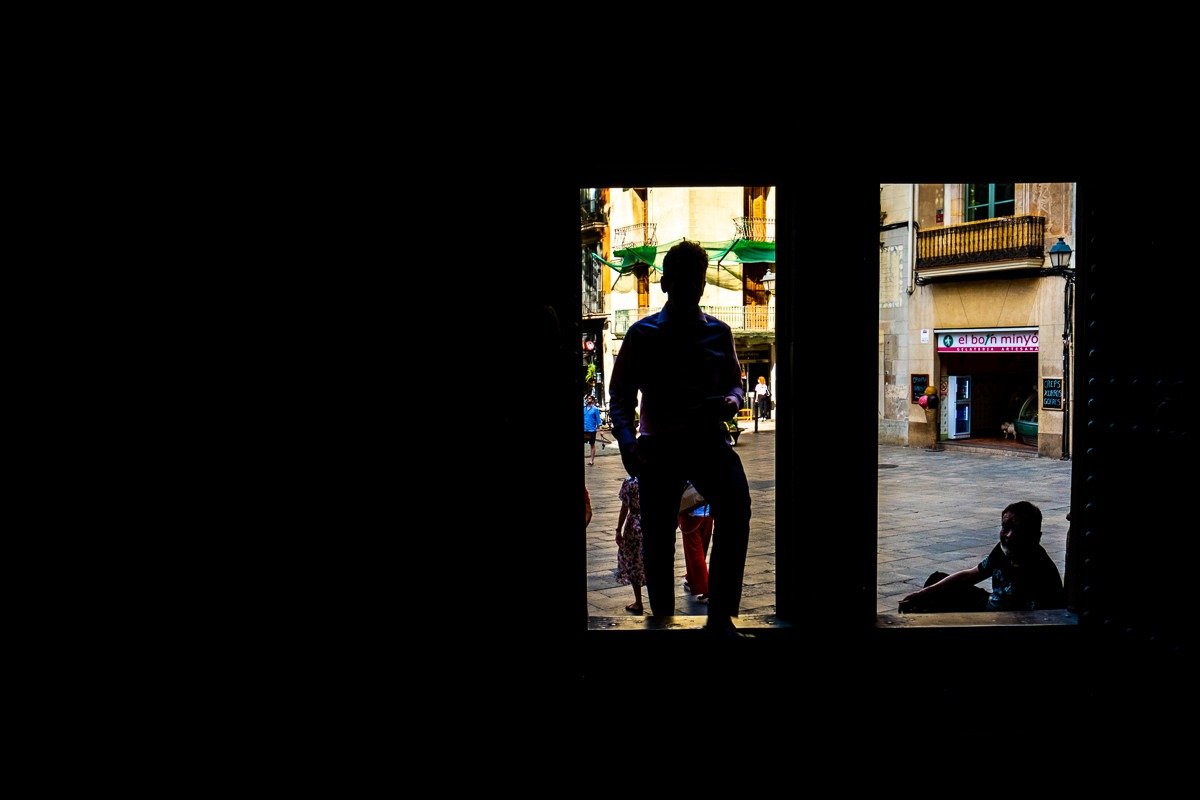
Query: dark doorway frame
(1128, 431)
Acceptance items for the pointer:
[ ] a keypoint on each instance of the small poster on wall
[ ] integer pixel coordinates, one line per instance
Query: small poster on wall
(1052, 393)
(919, 382)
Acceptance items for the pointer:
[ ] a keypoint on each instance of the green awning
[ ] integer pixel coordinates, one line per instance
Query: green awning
(750, 252)
(631, 257)
(730, 255)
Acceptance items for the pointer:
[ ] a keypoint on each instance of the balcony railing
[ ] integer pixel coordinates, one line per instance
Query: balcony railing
(624, 317)
(739, 318)
(756, 229)
(1004, 239)
(593, 301)
(639, 235)
(591, 212)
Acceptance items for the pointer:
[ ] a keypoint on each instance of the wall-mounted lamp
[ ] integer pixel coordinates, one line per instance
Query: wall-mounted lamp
(1060, 255)
(1060, 258)
(768, 280)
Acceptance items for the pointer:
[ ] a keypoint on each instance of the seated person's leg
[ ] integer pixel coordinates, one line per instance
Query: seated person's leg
(956, 598)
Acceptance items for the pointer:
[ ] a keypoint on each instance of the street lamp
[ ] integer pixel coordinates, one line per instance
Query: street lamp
(768, 280)
(1060, 259)
(1060, 255)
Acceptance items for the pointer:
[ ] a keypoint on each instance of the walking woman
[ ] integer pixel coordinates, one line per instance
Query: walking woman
(763, 395)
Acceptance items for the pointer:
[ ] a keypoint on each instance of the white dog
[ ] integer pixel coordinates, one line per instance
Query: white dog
(1006, 428)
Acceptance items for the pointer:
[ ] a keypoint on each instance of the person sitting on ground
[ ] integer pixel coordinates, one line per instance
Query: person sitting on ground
(1024, 578)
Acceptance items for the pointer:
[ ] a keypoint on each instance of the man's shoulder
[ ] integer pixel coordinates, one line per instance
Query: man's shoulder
(658, 321)
(647, 323)
(651, 322)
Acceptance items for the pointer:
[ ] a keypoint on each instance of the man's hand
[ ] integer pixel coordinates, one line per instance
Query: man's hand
(908, 602)
(632, 458)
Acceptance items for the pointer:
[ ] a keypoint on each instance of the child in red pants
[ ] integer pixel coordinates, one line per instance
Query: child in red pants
(697, 528)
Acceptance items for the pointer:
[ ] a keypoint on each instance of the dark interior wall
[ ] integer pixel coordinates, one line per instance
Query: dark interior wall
(1135, 401)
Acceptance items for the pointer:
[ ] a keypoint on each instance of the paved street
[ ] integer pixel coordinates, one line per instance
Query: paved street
(941, 510)
(937, 510)
(608, 598)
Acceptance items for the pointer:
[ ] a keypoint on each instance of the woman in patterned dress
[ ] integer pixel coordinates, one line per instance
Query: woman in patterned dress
(630, 568)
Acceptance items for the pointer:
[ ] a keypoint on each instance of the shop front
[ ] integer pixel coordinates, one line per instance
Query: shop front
(988, 383)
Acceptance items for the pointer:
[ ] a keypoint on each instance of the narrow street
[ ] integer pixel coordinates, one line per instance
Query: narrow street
(606, 597)
(937, 511)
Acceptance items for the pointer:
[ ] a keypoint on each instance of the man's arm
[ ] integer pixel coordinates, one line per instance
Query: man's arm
(735, 395)
(622, 389)
(971, 575)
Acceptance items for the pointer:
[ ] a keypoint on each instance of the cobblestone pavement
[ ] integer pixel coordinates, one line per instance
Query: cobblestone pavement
(941, 510)
(937, 510)
(608, 598)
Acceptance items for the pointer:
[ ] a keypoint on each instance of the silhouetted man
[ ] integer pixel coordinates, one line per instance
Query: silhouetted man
(683, 362)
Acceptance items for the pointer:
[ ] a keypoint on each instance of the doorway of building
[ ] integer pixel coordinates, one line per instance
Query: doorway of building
(987, 390)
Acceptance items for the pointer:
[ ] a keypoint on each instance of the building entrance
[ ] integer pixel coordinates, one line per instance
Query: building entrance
(985, 391)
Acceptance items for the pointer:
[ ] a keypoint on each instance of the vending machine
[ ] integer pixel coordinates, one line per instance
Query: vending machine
(958, 407)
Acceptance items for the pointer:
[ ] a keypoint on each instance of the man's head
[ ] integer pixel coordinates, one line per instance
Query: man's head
(684, 269)
(1020, 528)
(589, 399)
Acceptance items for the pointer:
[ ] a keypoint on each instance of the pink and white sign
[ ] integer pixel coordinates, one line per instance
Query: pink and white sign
(981, 340)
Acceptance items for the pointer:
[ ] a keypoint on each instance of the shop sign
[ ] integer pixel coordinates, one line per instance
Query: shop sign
(985, 340)
(919, 382)
(1052, 393)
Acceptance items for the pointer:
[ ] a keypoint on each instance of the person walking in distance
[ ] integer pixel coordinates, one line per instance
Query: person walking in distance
(684, 364)
(762, 396)
(591, 424)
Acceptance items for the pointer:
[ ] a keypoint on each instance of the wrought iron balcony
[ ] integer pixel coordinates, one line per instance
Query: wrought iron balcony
(744, 318)
(594, 302)
(756, 229)
(638, 235)
(992, 240)
(591, 212)
(624, 317)
(739, 318)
